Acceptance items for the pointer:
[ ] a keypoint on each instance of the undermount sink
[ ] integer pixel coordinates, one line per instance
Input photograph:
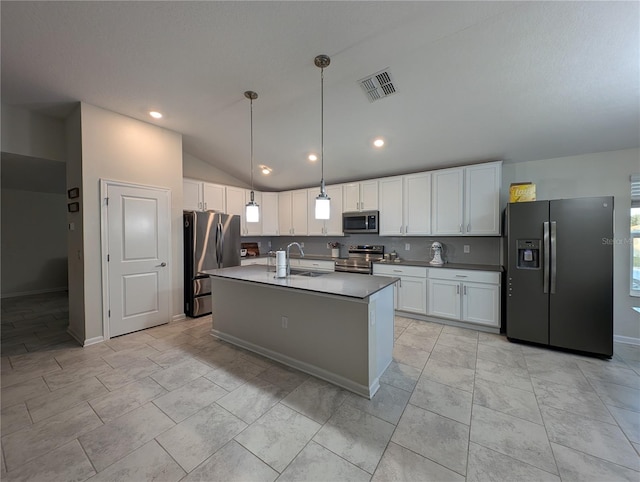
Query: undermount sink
(311, 274)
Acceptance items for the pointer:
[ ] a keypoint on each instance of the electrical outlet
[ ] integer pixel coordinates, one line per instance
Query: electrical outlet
(302, 244)
(467, 248)
(285, 322)
(407, 246)
(259, 244)
(328, 245)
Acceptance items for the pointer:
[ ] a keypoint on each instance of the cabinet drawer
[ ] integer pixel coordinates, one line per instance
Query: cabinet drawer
(465, 275)
(315, 264)
(399, 270)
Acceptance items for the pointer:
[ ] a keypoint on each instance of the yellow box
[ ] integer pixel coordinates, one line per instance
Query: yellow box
(522, 192)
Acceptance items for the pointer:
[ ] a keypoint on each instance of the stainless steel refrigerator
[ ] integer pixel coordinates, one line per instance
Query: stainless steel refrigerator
(560, 273)
(211, 241)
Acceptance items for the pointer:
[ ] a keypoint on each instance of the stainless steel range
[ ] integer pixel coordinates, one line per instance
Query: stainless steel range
(361, 258)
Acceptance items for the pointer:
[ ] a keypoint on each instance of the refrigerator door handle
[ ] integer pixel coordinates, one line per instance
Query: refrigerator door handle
(545, 261)
(554, 249)
(218, 253)
(220, 260)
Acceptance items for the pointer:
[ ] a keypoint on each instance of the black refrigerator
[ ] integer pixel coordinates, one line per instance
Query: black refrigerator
(559, 289)
(211, 241)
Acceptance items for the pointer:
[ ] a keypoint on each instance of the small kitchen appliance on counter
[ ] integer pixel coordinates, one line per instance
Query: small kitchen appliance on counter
(361, 258)
(436, 248)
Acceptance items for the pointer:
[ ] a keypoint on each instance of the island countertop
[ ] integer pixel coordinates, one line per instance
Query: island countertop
(351, 285)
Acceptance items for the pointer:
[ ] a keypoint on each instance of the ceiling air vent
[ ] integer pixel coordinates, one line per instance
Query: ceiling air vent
(378, 86)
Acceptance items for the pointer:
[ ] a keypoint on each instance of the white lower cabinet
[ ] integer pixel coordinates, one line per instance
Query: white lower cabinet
(464, 295)
(313, 264)
(411, 291)
(254, 261)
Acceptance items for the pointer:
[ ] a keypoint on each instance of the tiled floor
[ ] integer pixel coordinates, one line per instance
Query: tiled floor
(172, 403)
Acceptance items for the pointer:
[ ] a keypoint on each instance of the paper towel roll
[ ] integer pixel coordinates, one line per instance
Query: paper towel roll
(281, 264)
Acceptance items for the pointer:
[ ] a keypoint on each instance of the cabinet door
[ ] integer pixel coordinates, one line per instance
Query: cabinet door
(417, 204)
(333, 225)
(351, 193)
(214, 197)
(253, 229)
(235, 201)
(481, 303)
(443, 299)
(191, 195)
(482, 199)
(299, 212)
(412, 295)
(391, 222)
(284, 213)
(315, 227)
(447, 201)
(269, 213)
(369, 195)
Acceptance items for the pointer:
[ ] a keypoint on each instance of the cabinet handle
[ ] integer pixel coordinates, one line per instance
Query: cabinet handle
(460, 227)
(397, 271)
(465, 290)
(458, 289)
(205, 206)
(468, 227)
(461, 276)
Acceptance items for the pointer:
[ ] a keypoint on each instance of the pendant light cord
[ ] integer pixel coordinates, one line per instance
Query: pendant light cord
(322, 130)
(251, 130)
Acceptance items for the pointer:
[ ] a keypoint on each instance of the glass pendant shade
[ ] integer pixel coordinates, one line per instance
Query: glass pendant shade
(323, 206)
(252, 214)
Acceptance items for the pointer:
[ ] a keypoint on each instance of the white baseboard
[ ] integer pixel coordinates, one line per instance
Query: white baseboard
(629, 340)
(82, 341)
(34, 292)
(179, 317)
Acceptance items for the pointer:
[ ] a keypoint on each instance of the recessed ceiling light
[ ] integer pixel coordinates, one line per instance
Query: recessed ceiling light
(265, 169)
(378, 142)
(313, 157)
(155, 114)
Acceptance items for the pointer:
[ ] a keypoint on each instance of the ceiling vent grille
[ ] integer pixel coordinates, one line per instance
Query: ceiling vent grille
(378, 86)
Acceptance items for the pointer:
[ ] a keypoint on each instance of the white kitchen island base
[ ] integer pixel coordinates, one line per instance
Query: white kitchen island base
(345, 340)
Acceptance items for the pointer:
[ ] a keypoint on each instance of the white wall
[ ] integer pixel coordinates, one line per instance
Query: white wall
(31, 134)
(195, 168)
(598, 174)
(116, 147)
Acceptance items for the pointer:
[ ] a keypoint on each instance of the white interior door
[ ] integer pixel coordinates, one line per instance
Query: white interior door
(138, 243)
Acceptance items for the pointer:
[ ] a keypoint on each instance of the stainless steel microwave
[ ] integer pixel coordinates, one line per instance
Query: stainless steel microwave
(360, 222)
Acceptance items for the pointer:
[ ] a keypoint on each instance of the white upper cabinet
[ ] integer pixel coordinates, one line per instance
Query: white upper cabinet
(214, 197)
(284, 213)
(360, 196)
(235, 201)
(447, 203)
(405, 205)
(331, 226)
(191, 195)
(292, 213)
(269, 213)
(482, 199)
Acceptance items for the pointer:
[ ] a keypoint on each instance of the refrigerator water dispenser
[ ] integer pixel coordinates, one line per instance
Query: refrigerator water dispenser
(528, 254)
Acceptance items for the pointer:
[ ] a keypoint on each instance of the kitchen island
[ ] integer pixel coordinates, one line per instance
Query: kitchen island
(335, 326)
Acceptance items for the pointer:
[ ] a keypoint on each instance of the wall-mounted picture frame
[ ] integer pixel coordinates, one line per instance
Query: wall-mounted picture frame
(73, 207)
(74, 192)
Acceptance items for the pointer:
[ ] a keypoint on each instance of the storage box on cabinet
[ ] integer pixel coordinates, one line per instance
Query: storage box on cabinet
(411, 291)
(464, 295)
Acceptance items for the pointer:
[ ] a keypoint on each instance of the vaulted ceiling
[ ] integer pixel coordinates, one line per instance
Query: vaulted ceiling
(475, 80)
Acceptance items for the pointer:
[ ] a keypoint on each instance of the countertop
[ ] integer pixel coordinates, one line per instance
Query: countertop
(350, 285)
(478, 267)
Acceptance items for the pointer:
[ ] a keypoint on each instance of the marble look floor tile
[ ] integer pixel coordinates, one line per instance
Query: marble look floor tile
(592, 437)
(130, 356)
(485, 464)
(444, 400)
(14, 418)
(58, 401)
(172, 357)
(217, 355)
(448, 374)
(563, 376)
(132, 340)
(40, 438)
(68, 463)
(278, 436)
(576, 466)
(508, 355)
(315, 463)
(21, 392)
(399, 463)
(401, 376)
(402, 321)
(509, 400)
(78, 356)
(435, 437)
(170, 342)
(316, 399)
(149, 462)
(618, 395)
(460, 355)
(417, 341)
(234, 374)
(410, 356)
(494, 340)
(121, 436)
(284, 377)
(188, 399)
(571, 399)
(458, 331)
(177, 375)
(252, 400)
(195, 439)
(510, 376)
(127, 398)
(627, 352)
(27, 372)
(424, 328)
(356, 436)
(256, 359)
(387, 404)
(232, 463)
(523, 440)
(628, 421)
(610, 373)
(122, 376)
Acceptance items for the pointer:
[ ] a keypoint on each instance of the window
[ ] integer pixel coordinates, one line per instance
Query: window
(635, 235)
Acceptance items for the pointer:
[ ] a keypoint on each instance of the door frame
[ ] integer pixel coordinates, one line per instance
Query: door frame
(104, 244)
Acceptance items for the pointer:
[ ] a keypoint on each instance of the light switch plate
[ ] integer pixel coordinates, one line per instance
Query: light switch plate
(467, 248)
(407, 246)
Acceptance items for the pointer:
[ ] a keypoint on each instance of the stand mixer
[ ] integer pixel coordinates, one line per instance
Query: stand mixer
(436, 247)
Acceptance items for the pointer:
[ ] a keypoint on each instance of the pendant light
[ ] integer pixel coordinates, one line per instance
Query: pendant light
(323, 202)
(252, 210)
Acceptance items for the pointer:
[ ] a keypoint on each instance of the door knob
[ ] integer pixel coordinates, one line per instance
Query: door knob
(163, 264)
